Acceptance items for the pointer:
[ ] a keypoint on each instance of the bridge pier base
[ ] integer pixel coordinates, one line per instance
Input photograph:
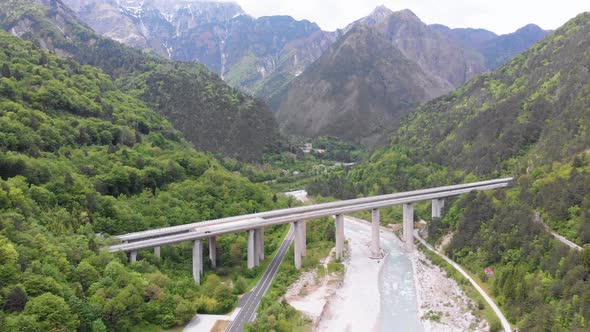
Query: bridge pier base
(437, 206)
(409, 226)
(157, 252)
(251, 249)
(213, 251)
(297, 243)
(375, 247)
(133, 257)
(339, 236)
(197, 261)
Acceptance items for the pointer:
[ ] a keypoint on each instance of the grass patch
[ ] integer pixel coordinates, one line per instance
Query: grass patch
(433, 315)
(335, 268)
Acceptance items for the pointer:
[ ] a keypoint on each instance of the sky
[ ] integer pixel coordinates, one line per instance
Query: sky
(499, 16)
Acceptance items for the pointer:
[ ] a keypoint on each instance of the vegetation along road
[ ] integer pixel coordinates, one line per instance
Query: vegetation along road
(251, 301)
(503, 320)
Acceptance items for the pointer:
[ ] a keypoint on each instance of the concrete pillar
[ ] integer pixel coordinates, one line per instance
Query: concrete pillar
(339, 236)
(259, 239)
(409, 226)
(213, 251)
(251, 249)
(303, 238)
(375, 248)
(262, 243)
(157, 251)
(297, 244)
(437, 206)
(133, 257)
(197, 261)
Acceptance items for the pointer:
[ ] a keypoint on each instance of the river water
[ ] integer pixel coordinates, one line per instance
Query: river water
(399, 305)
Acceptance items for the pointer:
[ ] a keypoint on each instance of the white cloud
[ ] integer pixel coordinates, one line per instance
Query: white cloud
(500, 16)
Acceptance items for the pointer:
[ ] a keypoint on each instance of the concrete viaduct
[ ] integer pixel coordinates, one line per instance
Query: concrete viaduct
(255, 223)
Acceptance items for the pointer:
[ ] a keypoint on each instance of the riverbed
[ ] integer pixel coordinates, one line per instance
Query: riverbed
(394, 293)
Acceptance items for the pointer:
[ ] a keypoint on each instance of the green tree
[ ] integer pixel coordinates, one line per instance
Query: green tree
(15, 299)
(52, 313)
(5, 72)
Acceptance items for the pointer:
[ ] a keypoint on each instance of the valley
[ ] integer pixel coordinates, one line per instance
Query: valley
(216, 137)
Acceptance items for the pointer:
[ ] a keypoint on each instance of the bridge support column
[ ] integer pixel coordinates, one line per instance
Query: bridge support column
(303, 238)
(297, 244)
(259, 237)
(437, 206)
(157, 252)
(213, 251)
(375, 247)
(133, 257)
(197, 261)
(251, 249)
(409, 226)
(262, 243)
(339, 236)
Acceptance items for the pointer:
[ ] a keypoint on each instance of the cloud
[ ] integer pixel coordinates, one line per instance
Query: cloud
(500, 16)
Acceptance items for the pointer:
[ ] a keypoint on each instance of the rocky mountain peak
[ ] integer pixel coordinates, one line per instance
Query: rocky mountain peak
(380, 12)
(407, 15)
(530, 29)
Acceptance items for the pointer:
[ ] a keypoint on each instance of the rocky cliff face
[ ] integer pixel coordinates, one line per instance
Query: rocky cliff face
(259, 56)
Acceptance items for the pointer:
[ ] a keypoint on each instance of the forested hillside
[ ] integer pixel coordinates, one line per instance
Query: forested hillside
(530, 119)
(211, 115)
(79, 160)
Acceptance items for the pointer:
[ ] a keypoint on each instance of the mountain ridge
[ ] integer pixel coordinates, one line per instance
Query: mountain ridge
(251, 53)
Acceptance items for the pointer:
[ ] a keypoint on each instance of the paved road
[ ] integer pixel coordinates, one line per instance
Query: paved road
(560, 238)
(249, 302)
(503, 320)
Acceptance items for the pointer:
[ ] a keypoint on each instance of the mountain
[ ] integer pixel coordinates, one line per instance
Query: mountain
(81, 159)
(211, 115)
(378, 71)
(150, 24)
(533, 106)
(436, 54)
(500, 50)
(528, 119)
(468, 37)
(356, 89)
(527, 114)
(259, 56)
(497, 50)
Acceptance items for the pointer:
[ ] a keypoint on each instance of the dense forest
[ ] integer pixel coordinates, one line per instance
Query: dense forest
(211, 115)
(81, 160)
(528, 119)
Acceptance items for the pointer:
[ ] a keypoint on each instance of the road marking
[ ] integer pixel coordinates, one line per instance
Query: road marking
(256, 294)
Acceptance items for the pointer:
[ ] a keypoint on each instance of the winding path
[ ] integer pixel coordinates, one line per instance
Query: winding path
(560, 238)
(503, 320)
